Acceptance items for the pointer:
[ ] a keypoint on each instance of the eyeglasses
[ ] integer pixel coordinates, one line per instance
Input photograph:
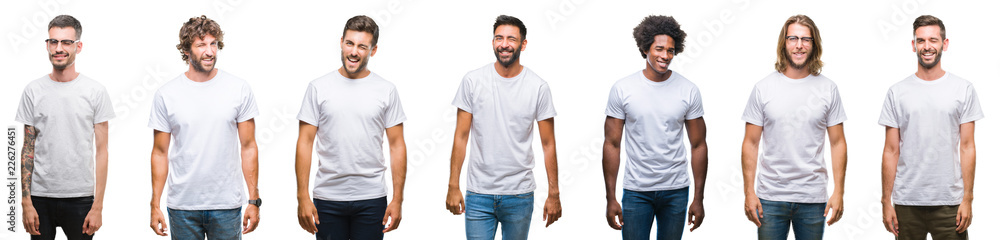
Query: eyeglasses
(797, 38)
(65, 42)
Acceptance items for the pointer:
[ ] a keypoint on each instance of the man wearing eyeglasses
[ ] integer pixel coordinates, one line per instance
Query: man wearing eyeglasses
(65, 114)
(350, 110)
(793, 109)
(929, 159)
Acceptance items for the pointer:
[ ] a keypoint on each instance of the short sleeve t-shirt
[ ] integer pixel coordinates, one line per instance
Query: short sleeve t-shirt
(654, 114)
(928, 115)
(504, 113)
(351, 116)
(205, 165)
(795, 115)
(64, 114)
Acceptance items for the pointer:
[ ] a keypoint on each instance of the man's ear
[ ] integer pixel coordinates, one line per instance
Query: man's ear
(524, 44)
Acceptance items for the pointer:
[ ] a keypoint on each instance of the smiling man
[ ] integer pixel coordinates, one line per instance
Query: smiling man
(793, 109)
(209, 115)
(349, 110)
(65, 116)
(653, 107)
(500, 104)
(929, 160)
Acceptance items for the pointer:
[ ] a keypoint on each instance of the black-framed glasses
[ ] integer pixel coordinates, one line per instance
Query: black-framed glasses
(65, 42)
(797, 38)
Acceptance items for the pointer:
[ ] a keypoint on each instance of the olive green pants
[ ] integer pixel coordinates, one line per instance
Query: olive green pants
(916, 221)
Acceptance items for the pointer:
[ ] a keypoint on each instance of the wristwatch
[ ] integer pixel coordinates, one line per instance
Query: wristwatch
(256, 202)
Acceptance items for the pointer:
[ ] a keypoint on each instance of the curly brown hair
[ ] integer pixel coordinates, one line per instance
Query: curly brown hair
(198, 28)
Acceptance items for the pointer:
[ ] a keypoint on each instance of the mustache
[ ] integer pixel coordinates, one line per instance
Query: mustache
(507, 49)
(59, 53)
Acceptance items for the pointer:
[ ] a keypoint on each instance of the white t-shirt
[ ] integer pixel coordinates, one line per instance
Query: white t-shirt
(351, 116)
(504, 112)
(795, 114)
(928, 115)
(64, 114)
(205, 166)
(654, 114)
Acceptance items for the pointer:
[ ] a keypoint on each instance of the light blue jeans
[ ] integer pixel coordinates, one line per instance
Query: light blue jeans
(668, 207)
(806, 220)
(223, 224)
(512, 212)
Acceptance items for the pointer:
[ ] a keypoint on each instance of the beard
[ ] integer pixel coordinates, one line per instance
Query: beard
(788, 58)
(513, 57)
(925, 65)
(196, 63)
(362, 64)
(70, 58)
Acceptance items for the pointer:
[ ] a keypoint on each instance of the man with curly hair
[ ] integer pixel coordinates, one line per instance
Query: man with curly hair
(793, 109)
(64, 162)
(507, 99)
(652, 108)
(209, 115)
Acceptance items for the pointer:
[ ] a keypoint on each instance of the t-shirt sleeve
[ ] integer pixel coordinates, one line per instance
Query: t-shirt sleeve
(26, 109)
(836, 115)
(754, 112)
(393, 114)
(971, 111)
(103, 111)
(694, 108)
(463, 98)
(616, 105)
(248, 105)
(544, 109)
(309, 112)
(158, 115)
(888, 117)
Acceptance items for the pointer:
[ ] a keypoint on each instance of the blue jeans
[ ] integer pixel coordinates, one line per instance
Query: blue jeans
(483, 212)
(198, 224)
(67, 213)
(668, 207)
(344, 220)
(806, 220)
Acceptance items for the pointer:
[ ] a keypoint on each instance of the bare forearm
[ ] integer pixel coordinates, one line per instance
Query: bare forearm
(889, 161)
(398, 164)
(159, 175)
(611, 162)
(699, 167)
(968, 163)
(749, 160)
(457, 159)
(552, 168)
(27, 162)
(101, 170)
(250, 169)
(303, 163)
(839, 155)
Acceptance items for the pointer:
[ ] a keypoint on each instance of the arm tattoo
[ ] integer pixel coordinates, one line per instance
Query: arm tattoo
(28, 159)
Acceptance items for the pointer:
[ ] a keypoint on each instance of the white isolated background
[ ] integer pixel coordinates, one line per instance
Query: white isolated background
(580, 47)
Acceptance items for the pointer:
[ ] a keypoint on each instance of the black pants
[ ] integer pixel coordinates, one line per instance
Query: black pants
(351, 219)
(68, 213)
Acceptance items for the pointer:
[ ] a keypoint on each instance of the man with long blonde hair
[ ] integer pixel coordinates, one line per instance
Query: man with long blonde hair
(793, 109)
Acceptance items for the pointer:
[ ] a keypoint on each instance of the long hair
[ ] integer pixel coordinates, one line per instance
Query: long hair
(813, 63)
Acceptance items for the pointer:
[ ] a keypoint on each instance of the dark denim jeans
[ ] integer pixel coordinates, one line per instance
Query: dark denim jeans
(342, 220)
(223, 224)
(484, 211)
(668, 207)
(806, 220)
(67, 213)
